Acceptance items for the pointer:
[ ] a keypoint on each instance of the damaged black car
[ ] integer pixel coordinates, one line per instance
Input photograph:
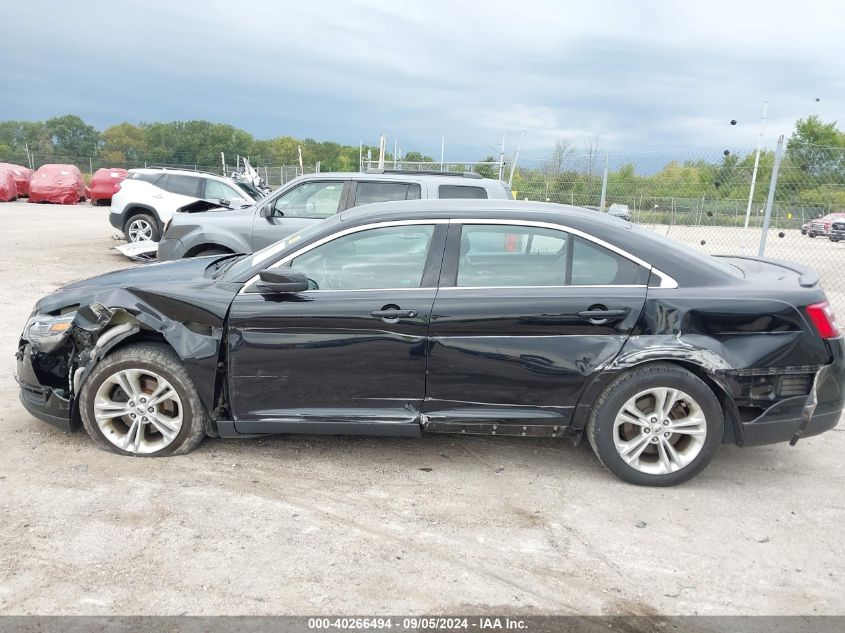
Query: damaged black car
(453, 316)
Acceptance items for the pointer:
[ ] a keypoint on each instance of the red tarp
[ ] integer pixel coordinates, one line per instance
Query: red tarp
(8, 189)
(104, 183)
(22, 177)
(61, 184)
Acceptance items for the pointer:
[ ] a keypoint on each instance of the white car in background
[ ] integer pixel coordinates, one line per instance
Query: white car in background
(149, 197)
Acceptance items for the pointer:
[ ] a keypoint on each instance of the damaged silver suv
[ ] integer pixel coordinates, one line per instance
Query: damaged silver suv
(198, 230)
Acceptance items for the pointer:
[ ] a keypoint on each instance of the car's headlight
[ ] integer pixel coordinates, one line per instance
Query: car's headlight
(43, 328)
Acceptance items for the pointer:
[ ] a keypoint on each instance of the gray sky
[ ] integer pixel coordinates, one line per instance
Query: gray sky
(645, 75)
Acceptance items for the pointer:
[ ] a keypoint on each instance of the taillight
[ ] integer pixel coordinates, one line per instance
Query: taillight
(821, 314)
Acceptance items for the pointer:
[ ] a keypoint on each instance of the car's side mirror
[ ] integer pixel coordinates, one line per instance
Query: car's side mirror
(281, 280)
(267, 210)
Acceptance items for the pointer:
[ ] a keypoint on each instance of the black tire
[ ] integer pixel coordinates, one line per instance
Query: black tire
(155, 230)
(162, 360)
(833, 239)
(810, 234)
(600, 427)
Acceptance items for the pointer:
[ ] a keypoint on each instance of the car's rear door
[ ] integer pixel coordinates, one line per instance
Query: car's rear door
(525, 316)
(349, 355)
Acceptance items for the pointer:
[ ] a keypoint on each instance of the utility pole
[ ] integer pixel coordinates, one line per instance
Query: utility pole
(360, 155)
(382, 148)
(756, 164)
(604, 186)
(502, 159)
(28, 155)
(515, 158)
(442, 151)
(223, 160)
(301, 165)
(395, 152)
(770, 200)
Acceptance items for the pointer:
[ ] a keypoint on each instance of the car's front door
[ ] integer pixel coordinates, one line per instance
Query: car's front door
(526, 314)
(348, 355)
(296, 208)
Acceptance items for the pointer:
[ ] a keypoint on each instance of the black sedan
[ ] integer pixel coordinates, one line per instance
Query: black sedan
(468, 317)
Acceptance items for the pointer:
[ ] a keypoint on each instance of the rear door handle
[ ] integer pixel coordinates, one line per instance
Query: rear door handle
(603, 315)
(394, 314)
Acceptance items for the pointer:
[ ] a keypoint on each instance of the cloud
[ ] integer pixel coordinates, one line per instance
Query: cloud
(638, 76)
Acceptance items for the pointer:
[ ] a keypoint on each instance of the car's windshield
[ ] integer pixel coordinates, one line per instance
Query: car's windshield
(248, 261)
(250, 190)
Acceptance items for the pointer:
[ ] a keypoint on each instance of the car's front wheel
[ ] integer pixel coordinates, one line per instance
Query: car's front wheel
(657, 425)
(141, 227)
(141, 401)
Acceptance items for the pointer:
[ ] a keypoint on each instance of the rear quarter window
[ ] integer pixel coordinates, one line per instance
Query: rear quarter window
(150, 178)
(461, 191)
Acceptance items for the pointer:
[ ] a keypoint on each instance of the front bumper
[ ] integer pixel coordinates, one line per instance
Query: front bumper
(45, 403)
(169, 249)
(818, 412)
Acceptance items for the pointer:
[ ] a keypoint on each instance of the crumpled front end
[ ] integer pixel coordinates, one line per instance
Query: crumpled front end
(54, 353)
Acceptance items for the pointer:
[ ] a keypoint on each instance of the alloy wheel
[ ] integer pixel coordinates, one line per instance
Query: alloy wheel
(659, 430)
(140, 230)
(138, 411)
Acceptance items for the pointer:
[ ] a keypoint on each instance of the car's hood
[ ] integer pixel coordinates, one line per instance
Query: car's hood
(168, 287)
(199, 206)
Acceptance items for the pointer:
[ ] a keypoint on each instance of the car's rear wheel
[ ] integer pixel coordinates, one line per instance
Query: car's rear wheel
(141, 227)
(141, 401)
(810, 234)
(658, 425)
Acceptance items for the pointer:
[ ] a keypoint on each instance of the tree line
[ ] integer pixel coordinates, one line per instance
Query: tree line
(811, 175)
(70, 139)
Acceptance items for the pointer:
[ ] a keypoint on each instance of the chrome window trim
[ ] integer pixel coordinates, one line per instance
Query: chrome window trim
(334, 236)
(559, 227)
(540, 287)
(666, 281)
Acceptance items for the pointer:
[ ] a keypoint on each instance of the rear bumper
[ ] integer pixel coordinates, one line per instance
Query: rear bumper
(45, 403)
(116, 219)
(821, 410)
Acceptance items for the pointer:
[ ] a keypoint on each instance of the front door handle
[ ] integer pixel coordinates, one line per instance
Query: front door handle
(394, 314)
(603, 315)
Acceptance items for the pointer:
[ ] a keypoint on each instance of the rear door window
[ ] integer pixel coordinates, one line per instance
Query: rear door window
(461, 191)
(370, 192)
(183, 185)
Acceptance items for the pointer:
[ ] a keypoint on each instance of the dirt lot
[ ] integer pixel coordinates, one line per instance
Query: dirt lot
(295, 525)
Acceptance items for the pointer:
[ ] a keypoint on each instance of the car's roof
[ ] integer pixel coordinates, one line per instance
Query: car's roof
(475, 209)
(456, 178)
(181, 172)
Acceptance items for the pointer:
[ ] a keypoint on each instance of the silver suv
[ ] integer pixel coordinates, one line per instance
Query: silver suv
(149, 197)
(306, 200)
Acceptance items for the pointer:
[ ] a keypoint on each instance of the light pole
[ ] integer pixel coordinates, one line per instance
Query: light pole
(756, 164)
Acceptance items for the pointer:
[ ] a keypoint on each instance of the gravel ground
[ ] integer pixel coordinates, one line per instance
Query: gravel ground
(296, 525)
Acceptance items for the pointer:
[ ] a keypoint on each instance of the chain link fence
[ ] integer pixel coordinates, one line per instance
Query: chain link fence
(705, 200)
(710, 200)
